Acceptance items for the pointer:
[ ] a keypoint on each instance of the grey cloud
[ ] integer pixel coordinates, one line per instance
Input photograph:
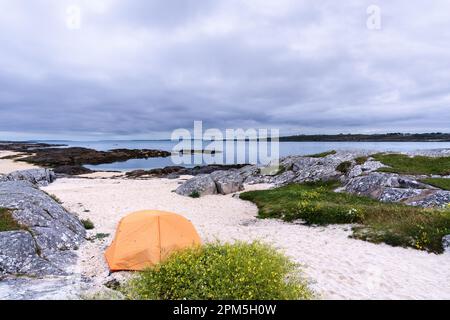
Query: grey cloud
(140, 67)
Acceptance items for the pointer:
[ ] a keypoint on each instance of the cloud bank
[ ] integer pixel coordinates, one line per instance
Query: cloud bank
(143, 68)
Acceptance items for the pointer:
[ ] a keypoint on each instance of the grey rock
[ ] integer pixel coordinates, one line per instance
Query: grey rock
(389, 187)
(19, 255)
(367, 167)
(430, 199)
(399, 194)
(203, 184)
(373, 184)
(228, 181)
(54, 231)
(42, 288)
(446, 244)
(40, 177)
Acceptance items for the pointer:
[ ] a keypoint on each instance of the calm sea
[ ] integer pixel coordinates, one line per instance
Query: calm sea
(285, 149)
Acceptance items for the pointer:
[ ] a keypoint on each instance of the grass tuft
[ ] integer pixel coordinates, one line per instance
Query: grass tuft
(238, 271)
(391, 223)
(7, 222)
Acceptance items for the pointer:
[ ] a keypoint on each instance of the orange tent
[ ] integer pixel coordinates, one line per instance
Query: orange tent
(145, 238)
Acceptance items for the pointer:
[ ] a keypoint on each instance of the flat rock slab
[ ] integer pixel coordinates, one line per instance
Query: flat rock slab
(50, 288)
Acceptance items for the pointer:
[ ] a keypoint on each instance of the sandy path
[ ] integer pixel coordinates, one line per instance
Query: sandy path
(338, 267)
(8, 165)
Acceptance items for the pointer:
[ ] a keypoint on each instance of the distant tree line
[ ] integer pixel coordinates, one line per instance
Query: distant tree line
(386, 137)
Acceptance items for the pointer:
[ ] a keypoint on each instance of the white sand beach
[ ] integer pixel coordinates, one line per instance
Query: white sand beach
(336, 266)
(8, 165)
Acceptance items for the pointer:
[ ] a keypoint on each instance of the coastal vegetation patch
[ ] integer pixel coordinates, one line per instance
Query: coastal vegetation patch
(403, 164)
(344, 167)
(441, 183)
(322, 154)
(7, 222)
(88, 224)
(239, 271)
(391, 223)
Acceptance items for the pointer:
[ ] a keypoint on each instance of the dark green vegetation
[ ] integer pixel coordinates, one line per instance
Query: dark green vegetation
(437, 136)
(322, 155)
(441, 183)
(195, 195)
(317, 203)
(100, 236)
(7, 222)
(239, 271)
(344, 167)
(88, 224)
(400, 163)
(361, 160)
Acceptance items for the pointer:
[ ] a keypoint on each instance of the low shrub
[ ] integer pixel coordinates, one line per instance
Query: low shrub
(344, 167)
(238, 271)
(195, 194)
(88, 224)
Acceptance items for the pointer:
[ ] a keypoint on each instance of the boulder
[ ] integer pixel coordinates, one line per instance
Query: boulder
(40, 177)
(54, 231)
(228, 181)
(203, 184)
(375, 183)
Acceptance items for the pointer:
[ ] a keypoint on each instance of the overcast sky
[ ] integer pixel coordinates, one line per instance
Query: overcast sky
(139, 69)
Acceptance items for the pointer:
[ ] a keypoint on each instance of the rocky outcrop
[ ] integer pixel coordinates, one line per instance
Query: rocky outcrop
(202, 184)
(389, 187)
(19, 255)
(75, 156)
(72, 170)
(359, 177)
(49, 234)
(40, 177)
(373, 184)
(177, 171)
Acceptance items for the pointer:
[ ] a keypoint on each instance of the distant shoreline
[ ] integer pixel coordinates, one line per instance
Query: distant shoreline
(388, 137)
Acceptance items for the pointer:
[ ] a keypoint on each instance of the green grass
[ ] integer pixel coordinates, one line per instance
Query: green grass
(88, 224)
(322, 155)
(7, 222)
(440, 183)
(238, 271)
(400, 163)
(318, 204)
